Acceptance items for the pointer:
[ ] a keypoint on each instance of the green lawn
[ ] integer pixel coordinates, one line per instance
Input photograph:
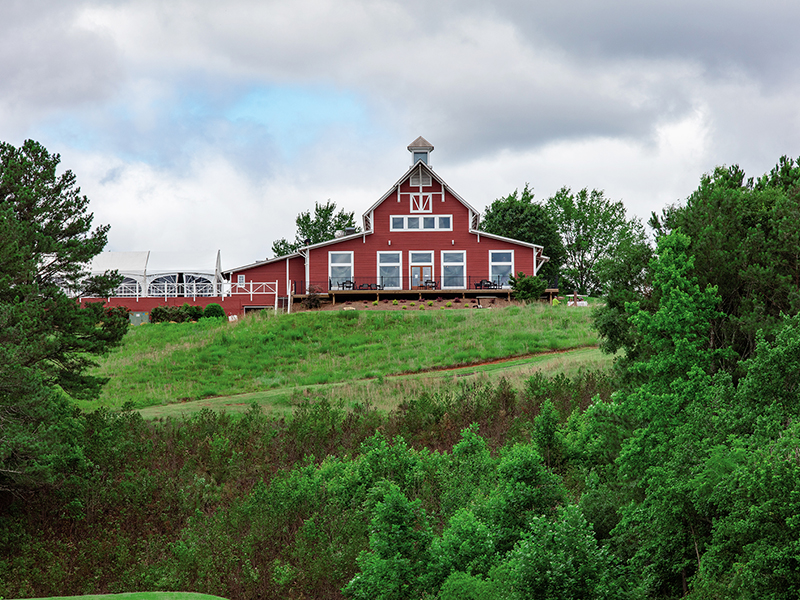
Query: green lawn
(387, 392)
(168, 363)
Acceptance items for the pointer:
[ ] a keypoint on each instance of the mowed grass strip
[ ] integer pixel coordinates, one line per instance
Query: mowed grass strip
(167, 363)
(386, 393)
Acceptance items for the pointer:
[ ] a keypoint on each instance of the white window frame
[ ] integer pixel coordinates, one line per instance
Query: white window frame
(399, 271)
(452, 264)
(420, 216)
(240, 280)
(493, 262)
(330, 265)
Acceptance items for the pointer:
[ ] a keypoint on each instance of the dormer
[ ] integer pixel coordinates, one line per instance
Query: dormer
(420, 150)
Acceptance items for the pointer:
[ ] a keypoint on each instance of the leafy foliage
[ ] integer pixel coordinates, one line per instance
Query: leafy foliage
(745, 239)
(320, 227)
(518, 217)
(527, 288)
(591, 228)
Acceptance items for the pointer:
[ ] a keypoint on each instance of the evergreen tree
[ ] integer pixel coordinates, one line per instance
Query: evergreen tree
(46, 339)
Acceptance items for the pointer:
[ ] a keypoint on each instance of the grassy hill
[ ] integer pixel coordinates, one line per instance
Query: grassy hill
(168, 363)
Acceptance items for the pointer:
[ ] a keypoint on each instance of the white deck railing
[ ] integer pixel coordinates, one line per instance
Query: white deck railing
(195, 290)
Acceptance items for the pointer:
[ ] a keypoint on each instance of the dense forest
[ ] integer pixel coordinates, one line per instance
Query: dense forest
(675, 475)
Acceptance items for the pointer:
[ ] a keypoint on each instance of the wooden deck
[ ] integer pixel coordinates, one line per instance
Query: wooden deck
(421, 294)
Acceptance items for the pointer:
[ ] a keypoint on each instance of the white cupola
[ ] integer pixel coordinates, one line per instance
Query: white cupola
(420, 150)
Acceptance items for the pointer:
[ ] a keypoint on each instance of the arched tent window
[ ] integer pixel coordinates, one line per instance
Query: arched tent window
(198, 285)
(164, 285)
(128, 288)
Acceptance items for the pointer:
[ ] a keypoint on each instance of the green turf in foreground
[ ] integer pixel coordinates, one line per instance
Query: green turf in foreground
(140, 596)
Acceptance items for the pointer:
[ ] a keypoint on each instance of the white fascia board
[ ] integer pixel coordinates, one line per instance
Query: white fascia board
(345, 238)
(506, 239)
(262, 262)
(433, 175)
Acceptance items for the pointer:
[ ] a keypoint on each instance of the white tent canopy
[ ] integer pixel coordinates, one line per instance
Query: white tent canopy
(161, 273)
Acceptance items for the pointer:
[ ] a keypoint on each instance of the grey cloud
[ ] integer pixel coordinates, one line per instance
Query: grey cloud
(47, 62)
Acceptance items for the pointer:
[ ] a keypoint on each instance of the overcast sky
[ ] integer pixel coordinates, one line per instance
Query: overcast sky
(197, 125)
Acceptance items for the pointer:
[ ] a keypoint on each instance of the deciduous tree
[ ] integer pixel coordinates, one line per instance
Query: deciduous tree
(518, 217)
(591, 227)
(320, 227)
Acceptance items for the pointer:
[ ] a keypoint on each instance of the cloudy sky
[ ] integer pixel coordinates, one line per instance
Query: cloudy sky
(195, 125)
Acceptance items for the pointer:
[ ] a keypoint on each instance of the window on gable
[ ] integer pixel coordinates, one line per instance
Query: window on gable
(421, 203)
(431, 223)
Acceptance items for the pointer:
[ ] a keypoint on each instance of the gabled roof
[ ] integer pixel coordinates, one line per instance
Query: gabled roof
(408, 174)
(300, 251)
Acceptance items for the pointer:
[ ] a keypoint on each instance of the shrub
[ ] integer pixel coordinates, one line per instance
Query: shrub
(430, 302)
(214, 310)
(374, 303)
(527, 288)
(394, 302)
(312, 299)
(449, 304)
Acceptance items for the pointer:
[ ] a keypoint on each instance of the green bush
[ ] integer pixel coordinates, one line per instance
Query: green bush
(214, 310)
(527, 289)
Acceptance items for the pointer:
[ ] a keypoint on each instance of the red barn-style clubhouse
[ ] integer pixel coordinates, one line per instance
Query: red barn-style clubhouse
(419, 237)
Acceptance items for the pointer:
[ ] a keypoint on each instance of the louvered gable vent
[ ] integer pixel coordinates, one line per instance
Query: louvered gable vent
(421, 177)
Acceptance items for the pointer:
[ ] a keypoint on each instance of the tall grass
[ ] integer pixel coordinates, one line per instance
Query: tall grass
(166, 363)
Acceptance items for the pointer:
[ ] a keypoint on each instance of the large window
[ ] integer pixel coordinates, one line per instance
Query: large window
(390, 267)
(501, 266)
(431, 223)
(340, 268)
(454, 269)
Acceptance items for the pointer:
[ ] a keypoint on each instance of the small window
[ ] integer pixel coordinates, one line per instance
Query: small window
(240, 279)
(389, 257)
(429, 222)
(413, 222)
(398, 222)
(423, 156)
(444, 222)
(421, 258)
